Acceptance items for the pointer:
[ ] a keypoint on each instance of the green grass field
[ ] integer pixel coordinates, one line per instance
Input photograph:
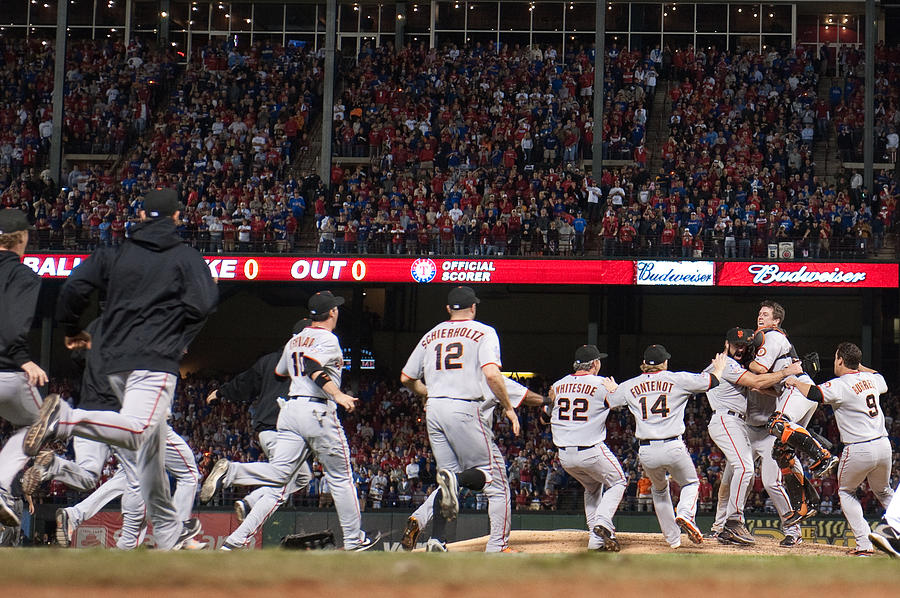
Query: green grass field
(97, 573)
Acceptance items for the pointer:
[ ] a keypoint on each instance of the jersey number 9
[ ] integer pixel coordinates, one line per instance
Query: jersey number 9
(872, 404)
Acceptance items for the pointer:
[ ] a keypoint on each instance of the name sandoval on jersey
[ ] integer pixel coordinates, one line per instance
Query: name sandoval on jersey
(651, 386)
(467, 271)
(576, 388)
(462, 332)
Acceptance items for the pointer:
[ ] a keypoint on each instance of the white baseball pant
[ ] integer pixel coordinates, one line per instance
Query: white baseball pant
(83, 473)
(265, 500)
(458, 437)
(762, 443)
(729, 432)
(139, 426)
(179, 461)
(657, 458)
(498, 498)
(305, 425)
(795, 406)
(892, 514)
(19, 405)
(595, 468)
(870, 461)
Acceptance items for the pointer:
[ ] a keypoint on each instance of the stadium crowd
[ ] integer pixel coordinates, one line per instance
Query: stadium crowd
(393, 466)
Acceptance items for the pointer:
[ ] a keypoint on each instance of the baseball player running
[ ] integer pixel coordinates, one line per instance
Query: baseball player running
(728, 428)
(180, 464)
(855, 397)
(886, 536)
(578, 424)
(261, 383)
(307, 422)
(793, 413)
(497, 491)
(159, 293)
(657, 399)
(19, 374)
(447, 366)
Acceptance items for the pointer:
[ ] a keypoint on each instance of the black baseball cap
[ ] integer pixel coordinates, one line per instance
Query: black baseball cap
(588, 353)
(322, 302)
(655, 355)
(739, 336)
(159, 203)
(461, 298)
(300, 325)
(12, 220)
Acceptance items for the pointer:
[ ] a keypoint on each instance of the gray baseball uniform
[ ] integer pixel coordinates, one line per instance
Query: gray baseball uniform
(775, 354)
(578, 425)
(19, 405)
(449, 359)
(855, 398)
(308, 422)
(657, 401)
(728, 430)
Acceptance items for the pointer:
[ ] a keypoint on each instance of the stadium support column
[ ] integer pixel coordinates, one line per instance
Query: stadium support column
(59, 81)
(869, 99)
(128, 6)
(165, 20)
(328, 92)
(599, 70)
(400, 27)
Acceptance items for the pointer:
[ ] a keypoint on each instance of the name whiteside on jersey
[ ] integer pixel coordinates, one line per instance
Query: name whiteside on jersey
(575, 388)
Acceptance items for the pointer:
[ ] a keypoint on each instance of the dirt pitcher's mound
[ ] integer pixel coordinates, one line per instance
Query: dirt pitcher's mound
(632, 543)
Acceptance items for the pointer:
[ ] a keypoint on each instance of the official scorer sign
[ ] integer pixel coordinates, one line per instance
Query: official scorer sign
(693, 274)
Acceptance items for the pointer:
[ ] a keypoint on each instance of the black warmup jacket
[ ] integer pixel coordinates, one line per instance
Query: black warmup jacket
(19, 290)
(261, 383)
(96, 394)
(159, 293)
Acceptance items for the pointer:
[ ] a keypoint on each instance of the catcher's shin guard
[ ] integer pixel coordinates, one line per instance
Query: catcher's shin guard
(799, 438)
(802, 495)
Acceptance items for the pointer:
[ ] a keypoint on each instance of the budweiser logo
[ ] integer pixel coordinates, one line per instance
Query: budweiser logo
(772, 273)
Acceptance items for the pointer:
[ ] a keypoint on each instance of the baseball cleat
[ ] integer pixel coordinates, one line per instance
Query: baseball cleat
(8, 515)
(610, 543)
(795, 517)
(739, 533)
(65, 529)
(860, 552)
(449, 494)
(213, 482)
(712, 534)
(367, 542)
(44, 428)
(887, 541)
(240, 510)
(190, 529)
(690, 529)
(35, 475)
(821, 468)
(410, 534)
(435, 545)
(509, 550)
(726, 537)
(791, 541)
(228, 547)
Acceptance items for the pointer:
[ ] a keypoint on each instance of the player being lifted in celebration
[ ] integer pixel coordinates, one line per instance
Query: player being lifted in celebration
(307, 422)
(447, 365)
(728, 428)
(657, 399)
(855, 397)
(578, 423)
(793, 412)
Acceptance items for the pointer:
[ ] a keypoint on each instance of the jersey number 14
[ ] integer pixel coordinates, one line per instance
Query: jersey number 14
(659, 407)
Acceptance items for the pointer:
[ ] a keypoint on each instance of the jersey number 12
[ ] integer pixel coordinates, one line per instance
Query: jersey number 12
(659, 407)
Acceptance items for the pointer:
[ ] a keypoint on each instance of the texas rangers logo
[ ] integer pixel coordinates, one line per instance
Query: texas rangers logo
(423, 270)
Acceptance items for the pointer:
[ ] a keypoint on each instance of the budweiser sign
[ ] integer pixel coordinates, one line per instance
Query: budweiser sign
(807, 274)
(650, 272)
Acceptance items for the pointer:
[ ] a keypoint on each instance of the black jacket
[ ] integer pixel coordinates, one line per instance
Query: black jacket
(261, 385)
(19, 290)
(159, 293)
(96, 394)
